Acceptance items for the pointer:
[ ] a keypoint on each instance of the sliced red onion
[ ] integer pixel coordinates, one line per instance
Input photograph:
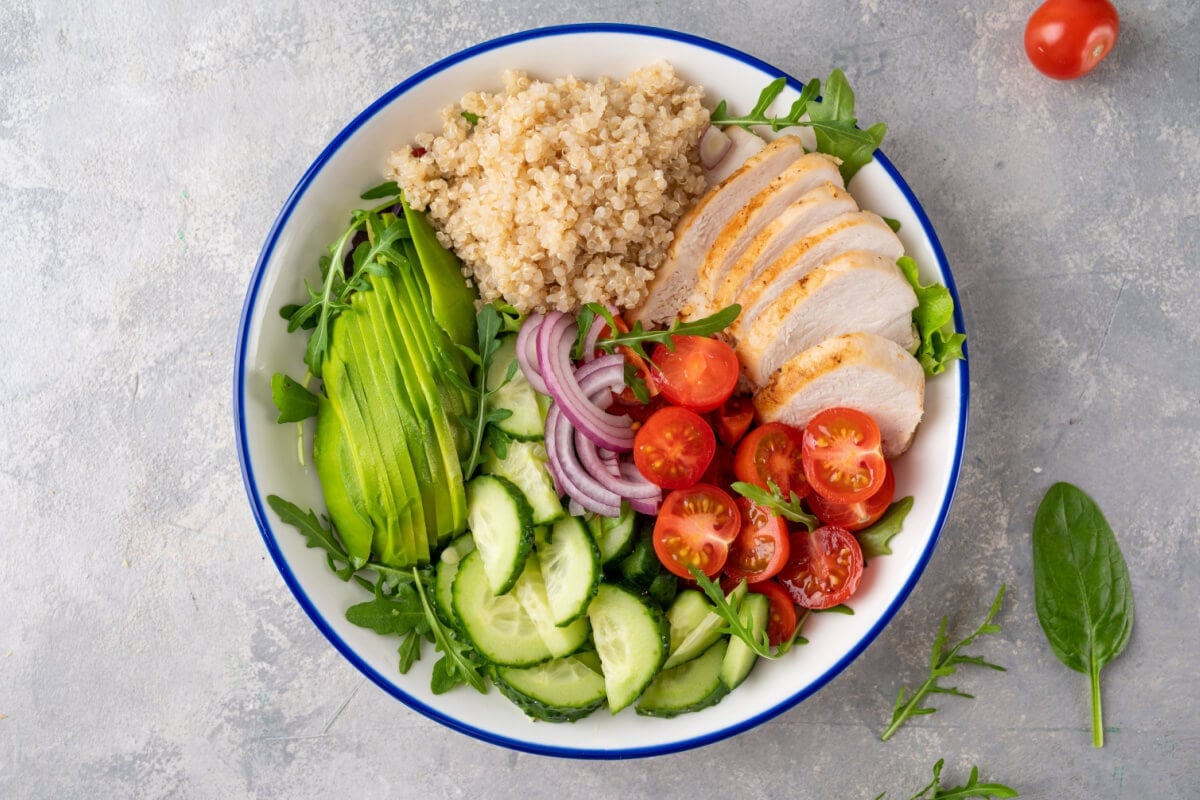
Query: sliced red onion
(574, 509)
(591, 460)
(590, 339)
(554, 342)
(527, 352)
(714, 146)
(579, 485)
(649, 507)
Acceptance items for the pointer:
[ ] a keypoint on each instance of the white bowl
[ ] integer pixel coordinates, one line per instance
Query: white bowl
(314, 214)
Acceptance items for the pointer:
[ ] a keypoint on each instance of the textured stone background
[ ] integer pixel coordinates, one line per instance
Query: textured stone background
(148, 647)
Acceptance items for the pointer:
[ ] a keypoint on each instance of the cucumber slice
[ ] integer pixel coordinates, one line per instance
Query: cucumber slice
(663, 589)
(530, 591)
(690, 687)
(613, 535)
(739, 658)
(685, 615)
(526, 421)
(499, 517)
(631, 640)
(497, 625)
(701, 638)
(561, 690)
(524, 464)
(443, 582)
(641, 566)
(571, 568)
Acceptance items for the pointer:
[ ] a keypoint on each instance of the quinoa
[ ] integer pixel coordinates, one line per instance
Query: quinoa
(561, 193)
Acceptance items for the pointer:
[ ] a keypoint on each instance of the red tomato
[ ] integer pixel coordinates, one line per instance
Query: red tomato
(855, 516)
(824, 568)
(761, 547)
(626, 396)
(781, 617)
(772, 452)
(700, 373)
(843, 457)
(694, 528)
(720, 469)
(625, 403)
(732, 420)
(1066, 39)
(674, 447)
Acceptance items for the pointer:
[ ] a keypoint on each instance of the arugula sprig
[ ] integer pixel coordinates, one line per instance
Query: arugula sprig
(638, 337)
(491, 321)
(399, 607)
(942, 664)
(831, 117)
(973, 788)
(773, 500)
(736, 626)
(292, 398)
(377, 255)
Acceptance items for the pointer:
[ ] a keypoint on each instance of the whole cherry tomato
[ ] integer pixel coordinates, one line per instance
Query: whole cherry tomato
(1066, 39)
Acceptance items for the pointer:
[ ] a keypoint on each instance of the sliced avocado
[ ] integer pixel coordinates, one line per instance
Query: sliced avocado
(453, 302)
(341, 482)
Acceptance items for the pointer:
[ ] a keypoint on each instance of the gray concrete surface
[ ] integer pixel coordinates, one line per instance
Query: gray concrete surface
(148, 647)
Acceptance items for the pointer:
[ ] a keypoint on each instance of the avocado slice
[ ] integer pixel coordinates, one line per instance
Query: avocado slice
(341, 482)
(452, 301)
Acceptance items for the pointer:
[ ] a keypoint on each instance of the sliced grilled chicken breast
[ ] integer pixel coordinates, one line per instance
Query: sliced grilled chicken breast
(858, 230)
(858, 291)
(799, 220)
(856, 370)
(695, 233)
(806, 173)
(743, 144)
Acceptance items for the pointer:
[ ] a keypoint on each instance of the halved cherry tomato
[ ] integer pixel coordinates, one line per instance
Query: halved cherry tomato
(720, 469)
(843, 457)
(781, 617)
(855, 516)
(1066, 39)
(761, 547)
(824, 567)
(694, 528)
(732, 420)
(700, 373)
(625, 403)
(773, 452)
(674, 447)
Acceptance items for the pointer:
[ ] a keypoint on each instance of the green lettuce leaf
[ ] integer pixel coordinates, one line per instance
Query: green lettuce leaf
(934, 318)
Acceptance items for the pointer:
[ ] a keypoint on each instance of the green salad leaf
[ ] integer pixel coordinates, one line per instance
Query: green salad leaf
(294, 401)
(773, 500)
(972, 788)
(874, 539)
(1081, 586)
(934, 318)
(638, 337)
(317, 534)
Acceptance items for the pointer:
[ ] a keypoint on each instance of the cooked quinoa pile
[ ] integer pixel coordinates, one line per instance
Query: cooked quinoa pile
(561, 193)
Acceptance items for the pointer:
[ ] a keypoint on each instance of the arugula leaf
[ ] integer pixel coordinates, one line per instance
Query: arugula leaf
(874, 539)
(734, 625)
(409, 651)
(317, 535)
(830, 116)
(490, 323)
(398, 613)
(973, 788)
(772, 499)
(293, 400)
(383, 190)
(942, 664)
(934, 318)
(637, 337)
(458, 663)
(838, 609)
(1081, 587)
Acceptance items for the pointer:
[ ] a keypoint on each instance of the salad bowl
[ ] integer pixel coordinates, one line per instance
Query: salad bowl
(312, 216)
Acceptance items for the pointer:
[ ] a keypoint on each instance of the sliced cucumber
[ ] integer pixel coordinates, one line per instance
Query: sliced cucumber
(561, 690)
(499, 517)
(570, 565)
(685, 614)
(663, 588)
(447, 568)
(497, 625)
(701, 638)
(613, 535)
(739, 658)
(530, 591)
(641, 566)
(524, 464)
(689, 687)
(631, 640)
(526, 420)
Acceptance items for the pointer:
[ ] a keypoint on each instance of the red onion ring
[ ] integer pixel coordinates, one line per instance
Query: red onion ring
(579, 485)
(590, 339)
(591, 461)
(527, 352)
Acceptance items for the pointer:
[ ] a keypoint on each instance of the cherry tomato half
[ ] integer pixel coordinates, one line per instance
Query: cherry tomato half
(855, 516)
(773, 452)
(732, 420)
(720, 469)
(761, 547)
(674, 447)
(700, 373)
(824, 567)
(694, 528)
(1066, 39)
(781, 616)
(843, 455)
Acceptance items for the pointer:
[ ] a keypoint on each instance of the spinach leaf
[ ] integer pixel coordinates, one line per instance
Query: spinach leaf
(1081, 587)
(874, 539)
